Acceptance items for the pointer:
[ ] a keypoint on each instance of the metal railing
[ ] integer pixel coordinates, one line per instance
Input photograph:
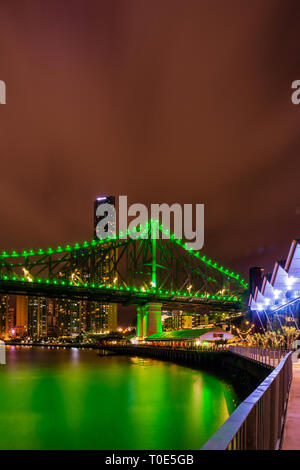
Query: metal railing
(212, 347)
(258, 422)
(271, 357)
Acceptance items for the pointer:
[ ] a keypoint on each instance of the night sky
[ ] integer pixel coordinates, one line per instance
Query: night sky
(163, 101)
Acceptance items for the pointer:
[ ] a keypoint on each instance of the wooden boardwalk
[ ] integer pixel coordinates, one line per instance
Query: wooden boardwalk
(291, 438)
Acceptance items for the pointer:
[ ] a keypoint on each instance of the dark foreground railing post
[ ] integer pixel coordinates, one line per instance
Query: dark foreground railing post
(275, 412)
(251, 425)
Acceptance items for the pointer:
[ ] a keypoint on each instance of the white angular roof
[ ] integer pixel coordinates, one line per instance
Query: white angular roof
(284, 284)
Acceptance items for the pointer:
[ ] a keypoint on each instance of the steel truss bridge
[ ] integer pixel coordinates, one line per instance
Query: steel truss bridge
(133, 268)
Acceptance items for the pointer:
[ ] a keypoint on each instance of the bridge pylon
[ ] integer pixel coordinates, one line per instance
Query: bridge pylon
(139, 323)
(149, 319)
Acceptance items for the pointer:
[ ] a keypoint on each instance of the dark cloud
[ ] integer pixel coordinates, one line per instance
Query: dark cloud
(163, 101)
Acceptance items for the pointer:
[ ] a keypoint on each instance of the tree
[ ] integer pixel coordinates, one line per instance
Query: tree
(290, 335)
(274, 339)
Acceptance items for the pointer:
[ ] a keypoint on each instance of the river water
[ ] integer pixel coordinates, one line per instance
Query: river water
(74, 399)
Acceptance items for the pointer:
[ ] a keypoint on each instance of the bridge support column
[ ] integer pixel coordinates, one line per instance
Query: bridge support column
(140, 323)
(152, 318)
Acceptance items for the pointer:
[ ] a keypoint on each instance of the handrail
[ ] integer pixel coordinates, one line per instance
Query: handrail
(271, 357)
(257, 423)
(165, 347)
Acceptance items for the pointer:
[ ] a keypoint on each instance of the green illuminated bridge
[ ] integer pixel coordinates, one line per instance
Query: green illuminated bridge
(148, 272)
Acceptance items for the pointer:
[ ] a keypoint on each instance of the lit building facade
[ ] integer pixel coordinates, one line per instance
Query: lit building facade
(110, 227)
(72, 318)
(21, 316)
(105, 315)
(68, 317)
(179, 320)
(3, 316)
(37, 317)
(11, 317)
(277, 299)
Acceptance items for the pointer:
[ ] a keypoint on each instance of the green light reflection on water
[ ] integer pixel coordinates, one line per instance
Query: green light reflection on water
(73, 399)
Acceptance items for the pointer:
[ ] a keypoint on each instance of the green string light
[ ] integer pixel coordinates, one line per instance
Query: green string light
(144, 228)
(140, 292)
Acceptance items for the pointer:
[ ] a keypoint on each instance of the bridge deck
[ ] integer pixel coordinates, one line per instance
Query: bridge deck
(291, 440)
(55, 289)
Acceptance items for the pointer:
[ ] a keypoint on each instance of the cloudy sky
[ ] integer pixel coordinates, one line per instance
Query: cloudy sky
(173, 101)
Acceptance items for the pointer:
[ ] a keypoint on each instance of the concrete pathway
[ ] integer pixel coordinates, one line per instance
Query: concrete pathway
(291, 437)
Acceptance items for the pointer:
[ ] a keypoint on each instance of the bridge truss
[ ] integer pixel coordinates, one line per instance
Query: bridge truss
(124, 270)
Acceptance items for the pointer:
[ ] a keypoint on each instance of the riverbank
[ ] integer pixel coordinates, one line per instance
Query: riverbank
(56, 345)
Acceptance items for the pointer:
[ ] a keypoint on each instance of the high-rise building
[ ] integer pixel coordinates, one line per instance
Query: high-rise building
(52, 326)
(67, 317)
(100, 317)
(3, 316)
(105, 318)
(112, 317)
(200, 320)
(21, 316)
(11, 316)
(180, 320)
(86, 316)
(63, 317)
(75, 318)
(37, 317)
(110, 227)
(255, 278)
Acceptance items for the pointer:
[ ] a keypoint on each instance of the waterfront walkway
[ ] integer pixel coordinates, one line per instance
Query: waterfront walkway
(291, 439)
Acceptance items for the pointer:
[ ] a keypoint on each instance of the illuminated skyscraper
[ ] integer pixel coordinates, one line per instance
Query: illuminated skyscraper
(3, 315)
(21, 315)
(37, 317)
(111, 226)
(105, 315)
(52, 326)
(11, 316)
(75, 318)
(111, 311)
